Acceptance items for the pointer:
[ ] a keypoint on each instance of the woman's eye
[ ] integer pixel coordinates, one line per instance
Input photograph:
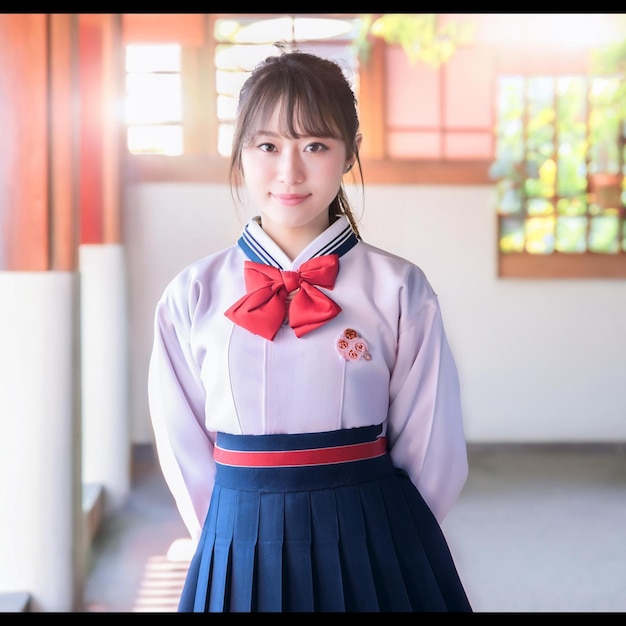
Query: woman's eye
(267, 147)
(316, 147)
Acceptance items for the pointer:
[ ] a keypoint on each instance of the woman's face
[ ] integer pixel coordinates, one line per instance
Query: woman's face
(291, 182)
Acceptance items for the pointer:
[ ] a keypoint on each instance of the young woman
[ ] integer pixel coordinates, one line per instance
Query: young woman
(304, 398)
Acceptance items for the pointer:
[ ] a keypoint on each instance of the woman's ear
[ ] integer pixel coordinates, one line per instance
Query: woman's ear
(357, 143)
(357, 146)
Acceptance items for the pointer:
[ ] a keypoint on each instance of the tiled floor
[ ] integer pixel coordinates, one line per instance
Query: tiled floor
(140, 555)
(537, 529)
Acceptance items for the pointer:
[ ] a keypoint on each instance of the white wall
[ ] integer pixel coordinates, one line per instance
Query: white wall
(539, 360)
(42, 543)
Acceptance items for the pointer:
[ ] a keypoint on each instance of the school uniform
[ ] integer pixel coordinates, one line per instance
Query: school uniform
(313, 443)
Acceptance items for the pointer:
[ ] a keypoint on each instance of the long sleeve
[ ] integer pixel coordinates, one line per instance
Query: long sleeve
(177, 400)
(425, 426)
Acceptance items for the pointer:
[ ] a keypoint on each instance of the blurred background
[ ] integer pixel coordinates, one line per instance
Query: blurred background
(493, 157)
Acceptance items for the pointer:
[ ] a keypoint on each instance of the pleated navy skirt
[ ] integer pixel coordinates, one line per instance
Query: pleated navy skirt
(347, 536)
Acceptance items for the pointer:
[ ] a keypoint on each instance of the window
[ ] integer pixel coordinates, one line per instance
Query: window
(154, 88)
(560, 174)
(441, 113)
(154, 110)
(417, 134)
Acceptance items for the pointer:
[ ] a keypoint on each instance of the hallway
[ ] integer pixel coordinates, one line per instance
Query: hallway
(537, 529)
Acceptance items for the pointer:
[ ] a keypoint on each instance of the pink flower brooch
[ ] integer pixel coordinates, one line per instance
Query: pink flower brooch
(352, 347)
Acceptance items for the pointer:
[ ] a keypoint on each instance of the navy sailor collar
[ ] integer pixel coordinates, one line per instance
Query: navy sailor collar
(338, 238)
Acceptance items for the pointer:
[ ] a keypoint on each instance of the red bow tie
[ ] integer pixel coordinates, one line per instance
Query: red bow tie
(263, 309)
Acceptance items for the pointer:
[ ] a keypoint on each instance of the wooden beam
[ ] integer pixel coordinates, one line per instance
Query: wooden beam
(112, 127)
(90, 132)
(63, 157)
(185, 28)
(101, 89)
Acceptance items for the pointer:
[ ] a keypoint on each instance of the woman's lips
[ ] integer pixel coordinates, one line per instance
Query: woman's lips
(290, 199)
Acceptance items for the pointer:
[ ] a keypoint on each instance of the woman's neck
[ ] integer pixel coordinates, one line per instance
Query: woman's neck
(292, 241)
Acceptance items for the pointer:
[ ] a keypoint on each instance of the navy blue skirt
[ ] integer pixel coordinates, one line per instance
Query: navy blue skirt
(349, 536)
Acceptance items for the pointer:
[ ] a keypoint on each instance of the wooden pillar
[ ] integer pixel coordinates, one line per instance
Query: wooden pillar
(372, 102)
(41, 527)
(104, 317)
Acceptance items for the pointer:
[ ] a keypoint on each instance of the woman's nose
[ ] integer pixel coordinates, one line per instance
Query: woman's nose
(291, 170)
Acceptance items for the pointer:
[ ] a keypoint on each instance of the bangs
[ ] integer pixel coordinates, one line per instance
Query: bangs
(301, 112)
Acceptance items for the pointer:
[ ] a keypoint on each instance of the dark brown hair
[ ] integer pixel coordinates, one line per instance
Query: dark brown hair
(314, 95)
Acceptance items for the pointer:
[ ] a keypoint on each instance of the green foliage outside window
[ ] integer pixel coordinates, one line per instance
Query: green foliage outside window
(559, 168)
(423, 36)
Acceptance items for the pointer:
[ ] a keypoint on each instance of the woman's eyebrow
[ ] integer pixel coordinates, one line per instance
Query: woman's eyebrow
(304, 135)
(269, 133)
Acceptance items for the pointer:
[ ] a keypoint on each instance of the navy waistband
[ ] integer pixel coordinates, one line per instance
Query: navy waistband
(299, 441)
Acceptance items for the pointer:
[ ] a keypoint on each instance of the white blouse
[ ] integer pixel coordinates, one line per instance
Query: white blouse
(208, 374)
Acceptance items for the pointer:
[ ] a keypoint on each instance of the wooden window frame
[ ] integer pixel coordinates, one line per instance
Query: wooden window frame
(562, 265)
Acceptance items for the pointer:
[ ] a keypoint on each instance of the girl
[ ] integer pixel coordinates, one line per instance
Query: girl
(304, 399)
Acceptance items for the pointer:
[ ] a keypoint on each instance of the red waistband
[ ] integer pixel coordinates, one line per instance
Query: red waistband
(295, 458)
